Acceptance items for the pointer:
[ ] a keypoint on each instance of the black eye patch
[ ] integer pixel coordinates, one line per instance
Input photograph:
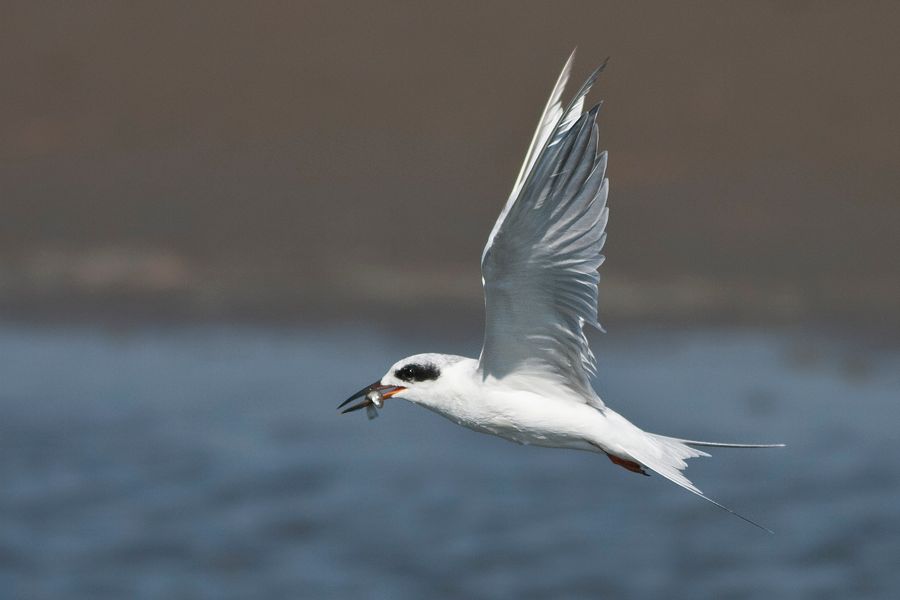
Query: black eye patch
(417, 372)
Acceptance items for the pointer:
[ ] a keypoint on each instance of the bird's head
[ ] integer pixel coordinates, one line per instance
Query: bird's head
(415, 378)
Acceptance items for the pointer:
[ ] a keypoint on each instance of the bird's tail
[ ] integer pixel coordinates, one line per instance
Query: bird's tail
(666, 456)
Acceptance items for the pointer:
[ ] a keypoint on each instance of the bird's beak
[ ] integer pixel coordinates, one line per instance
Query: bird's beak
(386, 391)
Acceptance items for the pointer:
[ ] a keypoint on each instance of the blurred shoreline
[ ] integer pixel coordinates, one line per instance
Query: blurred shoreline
(125, 285)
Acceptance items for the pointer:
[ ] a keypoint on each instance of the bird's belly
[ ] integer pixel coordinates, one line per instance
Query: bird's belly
(541, 423)
(541, 437)
(537, 437)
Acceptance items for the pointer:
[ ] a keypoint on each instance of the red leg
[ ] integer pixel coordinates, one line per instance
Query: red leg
(631, 465)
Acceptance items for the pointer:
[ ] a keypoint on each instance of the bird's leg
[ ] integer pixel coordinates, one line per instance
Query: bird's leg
(631, 465)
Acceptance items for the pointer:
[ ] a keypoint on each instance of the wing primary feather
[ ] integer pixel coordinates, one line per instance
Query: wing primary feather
(561, 130)
(587, 85)
(583, 147)
(537, 144)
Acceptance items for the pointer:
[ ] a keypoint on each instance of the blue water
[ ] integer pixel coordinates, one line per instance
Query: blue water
(209, 462)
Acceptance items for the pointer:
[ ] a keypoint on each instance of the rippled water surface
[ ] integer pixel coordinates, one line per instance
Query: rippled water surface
(209, 462)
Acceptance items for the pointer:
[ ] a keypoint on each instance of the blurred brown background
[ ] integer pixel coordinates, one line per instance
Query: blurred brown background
(294, 159)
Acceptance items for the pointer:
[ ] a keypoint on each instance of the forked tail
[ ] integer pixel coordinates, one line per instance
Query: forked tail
(667, 456)
(718, 444)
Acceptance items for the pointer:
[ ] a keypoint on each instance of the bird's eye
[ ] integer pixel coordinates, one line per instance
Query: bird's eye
(416, 372)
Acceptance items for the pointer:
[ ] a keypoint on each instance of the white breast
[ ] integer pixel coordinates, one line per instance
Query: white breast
(508, 410)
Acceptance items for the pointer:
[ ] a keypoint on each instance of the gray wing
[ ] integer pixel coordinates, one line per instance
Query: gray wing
(539, 267)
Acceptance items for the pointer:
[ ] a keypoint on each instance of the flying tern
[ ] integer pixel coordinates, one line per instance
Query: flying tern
(532, 382)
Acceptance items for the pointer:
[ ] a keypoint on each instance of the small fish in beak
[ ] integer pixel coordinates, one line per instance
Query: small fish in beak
(376, 398)
(375, 395)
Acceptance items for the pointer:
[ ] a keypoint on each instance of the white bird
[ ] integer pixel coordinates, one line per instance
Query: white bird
(532, 382)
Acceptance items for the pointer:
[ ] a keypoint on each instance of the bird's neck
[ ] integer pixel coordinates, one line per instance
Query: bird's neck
(458, 386)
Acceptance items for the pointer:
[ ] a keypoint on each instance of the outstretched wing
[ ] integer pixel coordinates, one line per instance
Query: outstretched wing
(539, 267)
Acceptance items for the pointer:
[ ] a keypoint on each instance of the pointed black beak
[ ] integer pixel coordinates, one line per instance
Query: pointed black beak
(386, 391)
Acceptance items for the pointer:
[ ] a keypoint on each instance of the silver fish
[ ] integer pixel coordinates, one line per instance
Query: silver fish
(376, 398)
